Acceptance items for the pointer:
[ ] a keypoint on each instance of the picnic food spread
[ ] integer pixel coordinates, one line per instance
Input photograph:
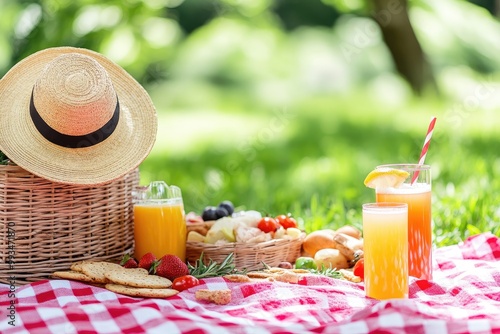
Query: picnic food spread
(140, 277)
(462, 298)
(64, 116)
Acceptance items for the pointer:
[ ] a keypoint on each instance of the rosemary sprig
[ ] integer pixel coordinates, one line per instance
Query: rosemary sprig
(212, 269)
(265, 266)
(328, 271)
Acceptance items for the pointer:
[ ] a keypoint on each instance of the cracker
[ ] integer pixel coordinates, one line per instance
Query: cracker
(267, 279)
(259, 274)
(219, 297)
(141, 292)
(287, 277)
(348, 275)
(77, 266)
(237, 278)
(137, 270)
(72, 275)
(97, 270)
(138, 279)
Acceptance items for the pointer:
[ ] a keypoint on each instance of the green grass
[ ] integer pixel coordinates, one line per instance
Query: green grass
(311, 158)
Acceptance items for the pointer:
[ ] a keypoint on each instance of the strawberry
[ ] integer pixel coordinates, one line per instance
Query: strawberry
(147, 261)
(171, 266)
(128, 261)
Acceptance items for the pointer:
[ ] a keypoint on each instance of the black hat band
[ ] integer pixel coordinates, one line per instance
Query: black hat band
(69, 141)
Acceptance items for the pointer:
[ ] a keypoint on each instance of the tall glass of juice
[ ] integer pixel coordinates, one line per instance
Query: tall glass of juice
(385, 238)
(416, 192)
(159, 221)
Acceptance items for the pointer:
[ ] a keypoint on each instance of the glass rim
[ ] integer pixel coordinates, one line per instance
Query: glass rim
(385, 206)
(159, 201)
(406, 166)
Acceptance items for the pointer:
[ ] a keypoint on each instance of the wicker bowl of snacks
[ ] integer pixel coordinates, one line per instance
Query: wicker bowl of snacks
(240, 235)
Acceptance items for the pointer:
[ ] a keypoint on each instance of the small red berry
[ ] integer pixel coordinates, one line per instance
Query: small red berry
(171, 266)
(147, 261)
(128, 262)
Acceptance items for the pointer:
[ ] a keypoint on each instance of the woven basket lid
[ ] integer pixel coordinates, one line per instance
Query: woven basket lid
(71, 115)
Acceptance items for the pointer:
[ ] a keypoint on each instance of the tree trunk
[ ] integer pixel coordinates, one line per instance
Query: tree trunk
(400, 38)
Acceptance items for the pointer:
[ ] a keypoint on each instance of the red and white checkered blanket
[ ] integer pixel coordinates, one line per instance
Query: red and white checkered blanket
(464, 297)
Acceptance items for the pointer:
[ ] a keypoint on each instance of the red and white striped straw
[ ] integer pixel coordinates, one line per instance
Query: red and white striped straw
(425, 148)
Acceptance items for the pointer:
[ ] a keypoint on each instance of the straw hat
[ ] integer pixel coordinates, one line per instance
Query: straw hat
(73, 116)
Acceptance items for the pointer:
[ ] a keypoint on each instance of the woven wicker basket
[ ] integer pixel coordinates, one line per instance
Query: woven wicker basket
(45, 226)
(250, 256)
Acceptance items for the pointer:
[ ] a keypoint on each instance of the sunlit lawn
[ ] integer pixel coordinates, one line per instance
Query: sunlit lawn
(310, 158)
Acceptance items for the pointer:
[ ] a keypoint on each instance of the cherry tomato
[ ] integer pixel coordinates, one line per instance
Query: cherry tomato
(359, 268)
(286, 221)
(268, 224)
(185, 282)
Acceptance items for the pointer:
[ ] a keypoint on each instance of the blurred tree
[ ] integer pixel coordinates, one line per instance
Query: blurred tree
(399, 37)
(409, 58)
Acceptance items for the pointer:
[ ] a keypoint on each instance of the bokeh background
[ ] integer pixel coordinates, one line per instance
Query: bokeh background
(286, 105)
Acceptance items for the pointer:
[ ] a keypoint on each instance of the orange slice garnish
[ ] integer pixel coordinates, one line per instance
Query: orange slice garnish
(385, 178)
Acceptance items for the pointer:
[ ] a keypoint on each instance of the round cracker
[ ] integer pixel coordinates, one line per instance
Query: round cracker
(287, 277)
(97, 270)
(73, 275)
(141, 292)
(259, 274)
(77, 266)
(219, 297)
(138, 270)
(137, 279)
(237, 278)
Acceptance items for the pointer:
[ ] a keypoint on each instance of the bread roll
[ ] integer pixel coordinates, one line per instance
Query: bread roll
(330, 258)
(317, 240)
(350, 231)
(347, 245)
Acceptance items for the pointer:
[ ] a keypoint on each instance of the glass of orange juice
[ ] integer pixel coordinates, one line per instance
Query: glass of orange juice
(385, 238)
(416, 192)
(159, 221)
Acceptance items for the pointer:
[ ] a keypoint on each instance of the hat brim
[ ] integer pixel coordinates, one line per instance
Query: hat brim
(120, 153)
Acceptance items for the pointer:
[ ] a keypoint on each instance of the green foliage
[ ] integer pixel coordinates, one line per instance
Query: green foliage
(135, 34)
(474, 42)
(348, 6)
(295, 14)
